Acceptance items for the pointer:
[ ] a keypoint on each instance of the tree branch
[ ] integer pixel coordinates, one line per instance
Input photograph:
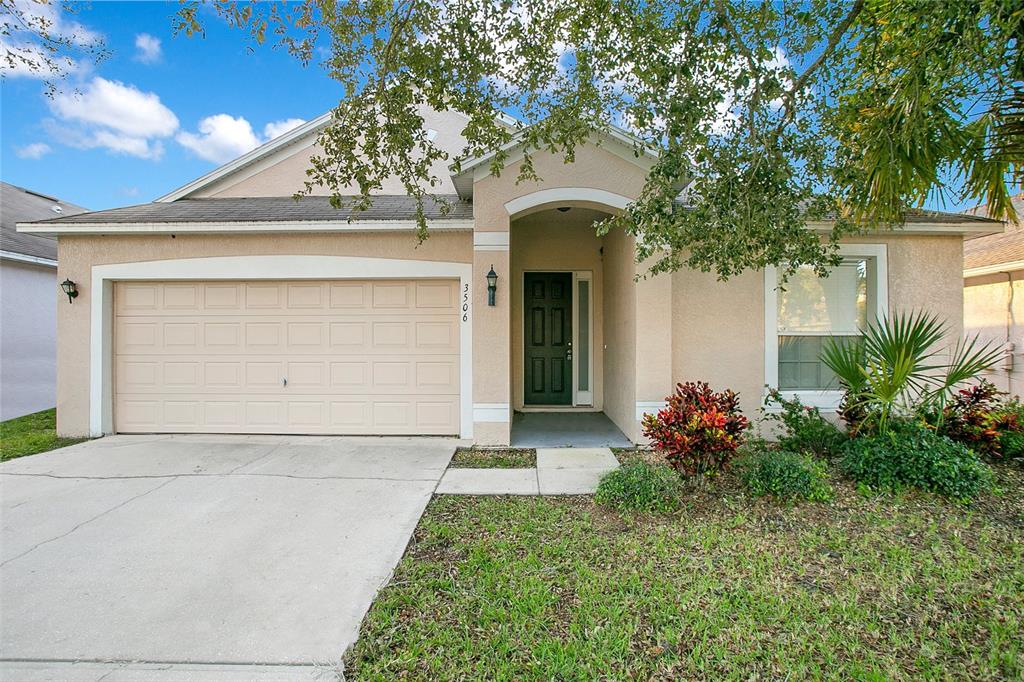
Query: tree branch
(830, 47)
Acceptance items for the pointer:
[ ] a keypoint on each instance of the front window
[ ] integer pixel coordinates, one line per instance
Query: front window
(804, 313)
(811, 310)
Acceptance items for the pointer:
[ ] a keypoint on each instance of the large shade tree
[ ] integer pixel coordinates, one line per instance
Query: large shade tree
(767, 116)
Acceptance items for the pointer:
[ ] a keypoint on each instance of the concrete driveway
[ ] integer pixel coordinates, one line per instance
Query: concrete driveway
(199, 557)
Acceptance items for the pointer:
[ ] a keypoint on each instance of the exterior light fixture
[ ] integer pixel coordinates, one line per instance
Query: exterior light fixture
(492, 285)
(70, 288)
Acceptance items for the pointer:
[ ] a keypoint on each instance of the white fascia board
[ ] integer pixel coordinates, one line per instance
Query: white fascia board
(260, 152)
(264, 227)
(1007, 267)
(968, 227)
(25, 258)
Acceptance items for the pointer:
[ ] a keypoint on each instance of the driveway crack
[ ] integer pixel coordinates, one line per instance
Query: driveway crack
(86, 522)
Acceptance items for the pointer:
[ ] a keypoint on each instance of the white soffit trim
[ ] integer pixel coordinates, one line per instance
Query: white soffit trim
(490, 241)
(254, 268)
(263, 227)
(260, 152)
(25, 258)
(561, 194)
(1009, 266)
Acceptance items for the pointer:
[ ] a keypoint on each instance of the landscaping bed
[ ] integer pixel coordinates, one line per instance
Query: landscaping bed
(31, 434)
(865, 586)
(494, 458)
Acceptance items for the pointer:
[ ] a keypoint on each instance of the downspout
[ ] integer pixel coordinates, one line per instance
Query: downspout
(1008, 347)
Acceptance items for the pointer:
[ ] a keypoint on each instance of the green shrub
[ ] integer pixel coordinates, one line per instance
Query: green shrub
(1012, 444)
(909, 454)
(641, 487)
(802, 428)
(783, 474)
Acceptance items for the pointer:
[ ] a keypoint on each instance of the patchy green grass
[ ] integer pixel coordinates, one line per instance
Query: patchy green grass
(31, 434)
(494, 458)
(864, 587)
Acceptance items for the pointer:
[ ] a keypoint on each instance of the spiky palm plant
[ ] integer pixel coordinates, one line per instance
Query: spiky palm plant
(898, 366)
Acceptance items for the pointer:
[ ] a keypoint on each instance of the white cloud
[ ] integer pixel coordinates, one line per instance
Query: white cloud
(279, 128)
(148, 49)
(223, 137)
(119, 107)
(220, 138)
(36, 150)
(114, 116)
(82, 137)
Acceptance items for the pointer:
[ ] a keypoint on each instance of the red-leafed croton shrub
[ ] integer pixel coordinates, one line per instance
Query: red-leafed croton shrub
(699, 431)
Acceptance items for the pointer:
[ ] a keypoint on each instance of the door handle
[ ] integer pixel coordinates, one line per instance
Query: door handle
(568, 354)
(284, 382)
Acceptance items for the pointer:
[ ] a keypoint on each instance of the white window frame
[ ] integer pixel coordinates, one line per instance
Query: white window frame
(582, 398)
(829, 399)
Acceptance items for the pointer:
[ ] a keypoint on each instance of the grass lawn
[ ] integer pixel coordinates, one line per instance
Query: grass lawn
(31, 434)
(866, 588)
(497, 458)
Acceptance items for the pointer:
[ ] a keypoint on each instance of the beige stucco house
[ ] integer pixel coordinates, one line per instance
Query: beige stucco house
(226, 306)
(994, 297)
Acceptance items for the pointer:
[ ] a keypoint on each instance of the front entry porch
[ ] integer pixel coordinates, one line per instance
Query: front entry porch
(566, 429)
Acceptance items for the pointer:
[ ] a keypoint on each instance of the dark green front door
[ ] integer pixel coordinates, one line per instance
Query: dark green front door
(547, 334)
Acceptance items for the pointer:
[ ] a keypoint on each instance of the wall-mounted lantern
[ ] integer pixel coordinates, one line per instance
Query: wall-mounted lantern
(492, 285)
(70, 288)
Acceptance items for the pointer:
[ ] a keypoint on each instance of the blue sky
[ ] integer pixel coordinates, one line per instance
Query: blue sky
(134, 133)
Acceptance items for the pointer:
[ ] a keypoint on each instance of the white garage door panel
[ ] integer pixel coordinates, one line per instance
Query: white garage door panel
(375, 357)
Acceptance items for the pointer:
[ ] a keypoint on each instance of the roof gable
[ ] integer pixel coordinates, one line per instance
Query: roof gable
(293, 141)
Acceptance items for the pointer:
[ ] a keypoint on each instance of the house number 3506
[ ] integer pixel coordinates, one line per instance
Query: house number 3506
(465, 303)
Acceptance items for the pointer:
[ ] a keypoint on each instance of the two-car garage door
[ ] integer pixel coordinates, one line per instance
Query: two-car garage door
(297, 357)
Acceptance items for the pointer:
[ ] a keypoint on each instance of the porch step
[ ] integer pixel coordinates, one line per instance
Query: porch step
(560, 471)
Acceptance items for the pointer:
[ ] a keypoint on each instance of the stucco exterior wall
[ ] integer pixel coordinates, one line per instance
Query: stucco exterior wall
(620, 332)
(28, 338)
(77, 255)
(554, 242)
(718, 327)
(994, 310)
(285, 173)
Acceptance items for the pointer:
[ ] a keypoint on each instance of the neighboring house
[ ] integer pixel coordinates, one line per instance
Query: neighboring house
(28, 303)
(227, 306)
(994, 297)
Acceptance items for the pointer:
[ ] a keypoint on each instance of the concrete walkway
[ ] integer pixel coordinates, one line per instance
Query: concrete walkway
(560, 471)
(207, 558)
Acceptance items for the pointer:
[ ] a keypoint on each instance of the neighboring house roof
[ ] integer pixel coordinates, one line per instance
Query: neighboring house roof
(385, 212)
(998, 252)
(19, 205)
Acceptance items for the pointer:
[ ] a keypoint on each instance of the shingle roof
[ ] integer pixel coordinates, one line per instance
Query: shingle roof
(19, 205)
(997, 249)
(269, 209)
